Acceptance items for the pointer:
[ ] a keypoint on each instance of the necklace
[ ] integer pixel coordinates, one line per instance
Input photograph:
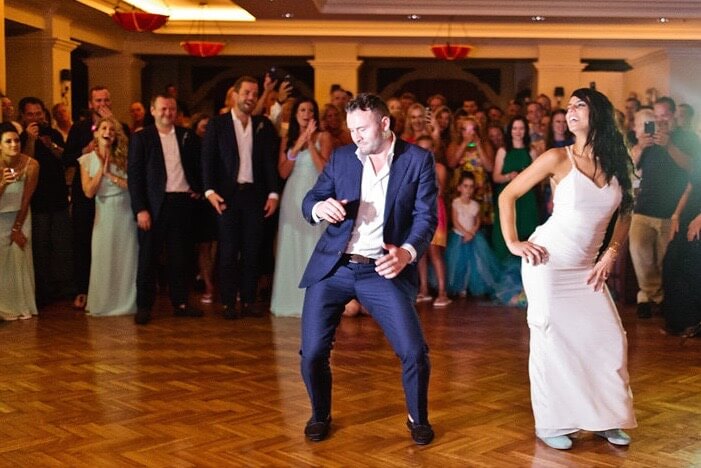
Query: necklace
(584, 154)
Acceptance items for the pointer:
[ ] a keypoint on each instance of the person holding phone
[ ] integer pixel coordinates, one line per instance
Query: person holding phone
(18, 180)
(663, 155)
(51, 223)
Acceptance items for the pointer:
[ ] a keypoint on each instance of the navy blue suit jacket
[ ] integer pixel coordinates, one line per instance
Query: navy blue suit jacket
(220, 157)
(147, 168)
(410, 207)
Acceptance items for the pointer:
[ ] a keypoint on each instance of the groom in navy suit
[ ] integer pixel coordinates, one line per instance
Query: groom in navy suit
(379, 198)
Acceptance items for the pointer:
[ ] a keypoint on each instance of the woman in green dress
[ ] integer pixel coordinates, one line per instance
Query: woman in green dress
(103, 174)
(18, 179)
(514, 157)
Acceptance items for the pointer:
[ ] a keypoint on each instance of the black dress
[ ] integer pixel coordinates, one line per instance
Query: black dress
(681, 273)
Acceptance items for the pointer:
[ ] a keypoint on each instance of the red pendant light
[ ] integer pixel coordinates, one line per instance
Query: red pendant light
(139, 21)
(450, 51)
(202, 48)
(197, 46)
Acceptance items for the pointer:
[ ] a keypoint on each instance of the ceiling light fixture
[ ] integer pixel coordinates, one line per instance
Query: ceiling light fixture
(537, 18)
(414, 17)
(201, 47)
(288, 15)
(448, 51)
(138, 21)
(663, 19)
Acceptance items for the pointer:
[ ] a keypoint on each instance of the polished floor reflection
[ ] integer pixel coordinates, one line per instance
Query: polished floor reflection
(81, 391)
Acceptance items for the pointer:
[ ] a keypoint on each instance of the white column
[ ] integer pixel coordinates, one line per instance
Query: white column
(334, 63)
(558, 65)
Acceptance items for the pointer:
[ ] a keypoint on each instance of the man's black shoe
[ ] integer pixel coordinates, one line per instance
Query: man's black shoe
(142, 317)
(644, 310)
(185, 310)
(421, 433)
(230, 312)
(317, 431)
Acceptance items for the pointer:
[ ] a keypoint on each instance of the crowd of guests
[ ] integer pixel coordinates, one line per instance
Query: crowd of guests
(96, 207)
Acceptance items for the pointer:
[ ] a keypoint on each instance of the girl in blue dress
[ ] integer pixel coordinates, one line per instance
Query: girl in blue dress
(472, 267)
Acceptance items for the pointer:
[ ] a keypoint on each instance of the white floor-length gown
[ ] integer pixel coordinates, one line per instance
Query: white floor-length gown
(578, 348)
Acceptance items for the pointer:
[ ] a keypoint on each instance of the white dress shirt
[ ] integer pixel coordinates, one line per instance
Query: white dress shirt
(367, 237)
(244, 141)
(175, 175)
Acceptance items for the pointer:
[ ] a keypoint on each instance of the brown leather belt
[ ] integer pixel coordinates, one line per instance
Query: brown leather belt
(355, 258)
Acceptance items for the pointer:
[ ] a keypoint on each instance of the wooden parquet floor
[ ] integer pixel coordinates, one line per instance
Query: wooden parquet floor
(181, 392)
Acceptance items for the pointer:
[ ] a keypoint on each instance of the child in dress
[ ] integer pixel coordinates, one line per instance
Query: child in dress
(470, 263)
(436, 249)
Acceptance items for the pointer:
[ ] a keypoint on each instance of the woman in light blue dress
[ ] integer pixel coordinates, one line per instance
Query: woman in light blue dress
(103, 174)
(18, 179)
(303, 154)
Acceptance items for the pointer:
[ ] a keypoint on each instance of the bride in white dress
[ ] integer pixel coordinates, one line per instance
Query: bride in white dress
(578, 349)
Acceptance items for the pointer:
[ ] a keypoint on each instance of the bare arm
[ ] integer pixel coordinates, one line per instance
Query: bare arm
(32, 177)
(321, 156)
(284, 165)
(552, 162)
(454, 152)
(674, 228)
(497, 176)
(600, 273)
(90, 184)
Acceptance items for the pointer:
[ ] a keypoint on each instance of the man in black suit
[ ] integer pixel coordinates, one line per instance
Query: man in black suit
(163, 178)
(239, 170)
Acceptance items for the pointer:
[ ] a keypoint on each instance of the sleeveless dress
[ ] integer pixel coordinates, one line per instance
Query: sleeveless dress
(112, 288)
(16, 265)
(296, 239)
(516, 159)
(578, 348)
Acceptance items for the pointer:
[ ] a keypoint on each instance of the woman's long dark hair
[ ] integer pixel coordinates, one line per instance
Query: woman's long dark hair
(294, 129)
(608, 143)
(508, 139)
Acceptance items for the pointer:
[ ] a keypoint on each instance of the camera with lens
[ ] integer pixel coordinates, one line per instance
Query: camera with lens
(44, 129)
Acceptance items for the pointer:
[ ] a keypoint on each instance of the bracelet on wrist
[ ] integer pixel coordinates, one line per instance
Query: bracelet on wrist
(290, 155)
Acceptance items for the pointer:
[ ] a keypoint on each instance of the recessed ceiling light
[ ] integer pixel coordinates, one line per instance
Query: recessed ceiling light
(663, 19)
(537, 18)
(288, 15)
(414, 17)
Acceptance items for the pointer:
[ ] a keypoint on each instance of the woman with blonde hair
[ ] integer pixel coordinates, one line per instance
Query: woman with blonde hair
(103, 174)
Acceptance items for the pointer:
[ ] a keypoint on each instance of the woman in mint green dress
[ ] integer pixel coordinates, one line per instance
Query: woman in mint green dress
(18, 179)
(303, 154)
(508, 162)
(103, 173)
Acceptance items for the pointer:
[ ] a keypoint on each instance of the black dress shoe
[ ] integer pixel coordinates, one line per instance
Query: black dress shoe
(421, 433)
(184, 310)
(317, 431)
(644, 310)
(142, 317)
(230, 312)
